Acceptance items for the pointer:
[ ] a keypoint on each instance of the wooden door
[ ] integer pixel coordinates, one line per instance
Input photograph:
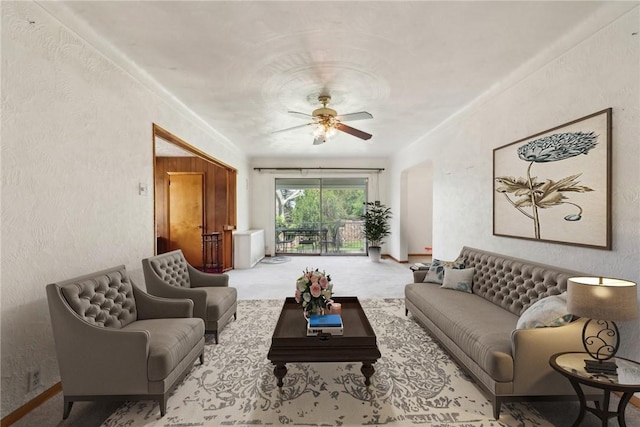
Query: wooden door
(230, 222)
(224, 205)
(185, 201)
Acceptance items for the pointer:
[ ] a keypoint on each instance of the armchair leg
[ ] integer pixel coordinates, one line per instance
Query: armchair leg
(235, 316)
(66, 410)
(215, 336)
(202, 358)
(497, 403)
(162, 402)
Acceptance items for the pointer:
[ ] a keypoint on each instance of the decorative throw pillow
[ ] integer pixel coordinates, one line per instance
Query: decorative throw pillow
(457, 279)
(436, 271)
(547, 312)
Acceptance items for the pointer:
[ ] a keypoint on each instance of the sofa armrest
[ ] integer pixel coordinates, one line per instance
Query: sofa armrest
(154, 307)
(532, 349)
(199, 279)
(198, 296)
(419, 275)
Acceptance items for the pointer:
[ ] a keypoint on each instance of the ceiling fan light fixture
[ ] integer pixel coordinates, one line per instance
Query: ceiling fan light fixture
(319, 131)
(327, 127)
(326, 122)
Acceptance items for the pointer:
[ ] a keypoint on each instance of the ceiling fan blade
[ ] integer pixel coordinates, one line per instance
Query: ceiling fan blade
(295, 127)
(354, 116)
(319, 140)
(300, 115)
(353, 131)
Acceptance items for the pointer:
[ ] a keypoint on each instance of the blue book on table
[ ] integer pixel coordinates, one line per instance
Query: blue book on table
(325, 320)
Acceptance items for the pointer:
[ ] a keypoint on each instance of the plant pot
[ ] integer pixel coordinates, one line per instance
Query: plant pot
(374, 253)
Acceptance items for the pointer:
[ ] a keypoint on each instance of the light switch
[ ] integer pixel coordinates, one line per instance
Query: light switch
(143, 189)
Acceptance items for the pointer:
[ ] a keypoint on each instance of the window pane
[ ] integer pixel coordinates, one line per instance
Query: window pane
(320, 215)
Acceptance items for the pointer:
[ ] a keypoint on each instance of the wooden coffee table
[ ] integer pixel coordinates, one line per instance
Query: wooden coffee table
(290, 342)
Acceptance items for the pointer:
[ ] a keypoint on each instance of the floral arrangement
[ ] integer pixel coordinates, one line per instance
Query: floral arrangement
(313, 290)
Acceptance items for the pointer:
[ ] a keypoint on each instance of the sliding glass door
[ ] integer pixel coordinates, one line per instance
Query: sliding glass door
(320, 215)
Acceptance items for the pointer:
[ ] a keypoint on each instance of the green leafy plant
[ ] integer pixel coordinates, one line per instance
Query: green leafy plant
(376, 223)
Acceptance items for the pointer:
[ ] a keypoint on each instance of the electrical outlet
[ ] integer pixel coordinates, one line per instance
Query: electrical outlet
(35, 380)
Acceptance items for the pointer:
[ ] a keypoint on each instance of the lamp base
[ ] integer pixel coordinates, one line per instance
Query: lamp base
(601, 340)
(600, 367)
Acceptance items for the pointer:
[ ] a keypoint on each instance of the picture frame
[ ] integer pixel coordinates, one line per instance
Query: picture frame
(555, 186)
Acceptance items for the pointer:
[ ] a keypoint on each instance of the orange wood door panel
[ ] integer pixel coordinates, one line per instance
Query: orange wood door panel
(185, 214)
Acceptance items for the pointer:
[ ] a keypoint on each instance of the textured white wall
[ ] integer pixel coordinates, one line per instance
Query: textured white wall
(602, 71)
(419, 208)
(76, 141)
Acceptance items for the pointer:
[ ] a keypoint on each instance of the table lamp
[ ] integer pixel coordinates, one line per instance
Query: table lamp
(603, 301)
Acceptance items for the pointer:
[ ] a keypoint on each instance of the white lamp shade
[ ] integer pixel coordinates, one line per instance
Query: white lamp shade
(602, 298)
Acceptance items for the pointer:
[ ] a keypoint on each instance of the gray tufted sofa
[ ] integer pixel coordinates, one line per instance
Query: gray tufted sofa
(170, 275)
(479, 329)
(114, 341)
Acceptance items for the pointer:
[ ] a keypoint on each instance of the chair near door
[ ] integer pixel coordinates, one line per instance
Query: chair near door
(307, 241)
(169, 275)
(284, 241)
(332, 240)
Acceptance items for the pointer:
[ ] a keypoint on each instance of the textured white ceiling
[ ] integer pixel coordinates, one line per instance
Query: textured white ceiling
(241, 65)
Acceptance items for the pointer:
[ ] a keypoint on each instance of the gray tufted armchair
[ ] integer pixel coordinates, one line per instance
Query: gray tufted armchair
(114, 341)
(169, 275)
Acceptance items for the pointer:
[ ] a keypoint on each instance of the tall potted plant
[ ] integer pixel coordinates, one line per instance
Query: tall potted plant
(376, 227)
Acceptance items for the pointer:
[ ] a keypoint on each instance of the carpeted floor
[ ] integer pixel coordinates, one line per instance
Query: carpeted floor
(415, 381)
(351, 275)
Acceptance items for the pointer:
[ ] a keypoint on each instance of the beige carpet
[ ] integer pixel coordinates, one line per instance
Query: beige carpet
(350, 275)
(415, 382)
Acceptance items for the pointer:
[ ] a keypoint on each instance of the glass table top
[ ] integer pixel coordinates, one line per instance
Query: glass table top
(628, 372)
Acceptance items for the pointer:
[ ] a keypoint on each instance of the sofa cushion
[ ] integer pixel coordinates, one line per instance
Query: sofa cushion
(219, 300)
(170, 340)
(436, 270)
(459, 280)
(478, 327)
(547, 312)
(105, 301)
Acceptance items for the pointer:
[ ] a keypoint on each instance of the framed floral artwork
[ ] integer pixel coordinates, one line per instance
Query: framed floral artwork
(555, 186)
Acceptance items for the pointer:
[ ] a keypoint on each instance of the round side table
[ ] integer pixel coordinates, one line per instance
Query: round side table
(626, 381)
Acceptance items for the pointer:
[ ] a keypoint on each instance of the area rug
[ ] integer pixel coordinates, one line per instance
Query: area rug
(275, 260)
(415, 382)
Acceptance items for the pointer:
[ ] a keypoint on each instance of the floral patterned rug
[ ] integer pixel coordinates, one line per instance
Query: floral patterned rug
(415, 382)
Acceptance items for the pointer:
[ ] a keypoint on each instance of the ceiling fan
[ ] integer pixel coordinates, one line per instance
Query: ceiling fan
(328, 122)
